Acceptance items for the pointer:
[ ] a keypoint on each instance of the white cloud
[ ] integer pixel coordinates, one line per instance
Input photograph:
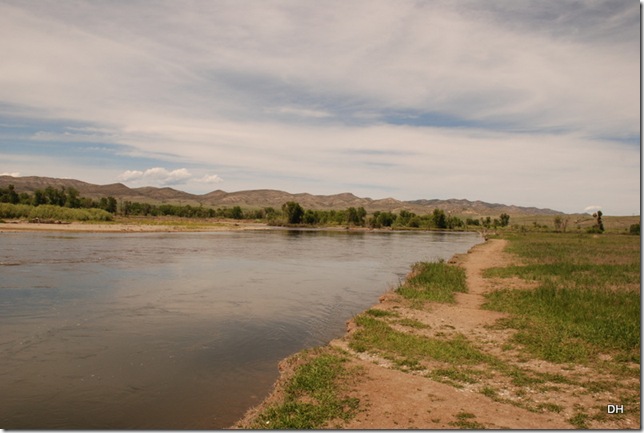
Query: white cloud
(130, 175)
(14, 174)
(209, 178)
(159, 176)
(592, 208)
(156, 175)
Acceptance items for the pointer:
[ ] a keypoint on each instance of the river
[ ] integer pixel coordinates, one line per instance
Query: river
(179, 330)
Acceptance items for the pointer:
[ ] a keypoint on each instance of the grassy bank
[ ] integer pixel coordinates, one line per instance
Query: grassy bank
(313, 396)
(433, 282)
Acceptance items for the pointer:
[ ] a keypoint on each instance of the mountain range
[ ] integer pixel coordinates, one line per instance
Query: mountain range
(267, 197)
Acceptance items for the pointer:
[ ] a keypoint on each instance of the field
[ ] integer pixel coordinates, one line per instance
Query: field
(587, 299)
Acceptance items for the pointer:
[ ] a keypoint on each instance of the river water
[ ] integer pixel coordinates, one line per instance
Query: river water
(179, 330)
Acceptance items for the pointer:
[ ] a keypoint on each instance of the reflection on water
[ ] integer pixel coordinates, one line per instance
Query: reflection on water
(178, 330)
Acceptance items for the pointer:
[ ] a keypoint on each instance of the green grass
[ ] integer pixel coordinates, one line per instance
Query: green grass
(313, 396)
(550, 407)
(490, 392)
(433, 281)
(412, 323)
(408, 352)
(381, 313)
(455, 376)
(580, 421)
(579, 275)
(376, 335)
(587, 301)
(465, 420)
(540, 248)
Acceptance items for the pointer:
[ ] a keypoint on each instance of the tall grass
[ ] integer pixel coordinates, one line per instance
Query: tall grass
(51, 212)
(433, 281)
(587, 300)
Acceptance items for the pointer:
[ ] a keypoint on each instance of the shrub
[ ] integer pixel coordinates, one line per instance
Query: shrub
(52, 212)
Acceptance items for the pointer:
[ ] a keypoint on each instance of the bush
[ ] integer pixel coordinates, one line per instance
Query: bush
(51, 212)
(8, 210)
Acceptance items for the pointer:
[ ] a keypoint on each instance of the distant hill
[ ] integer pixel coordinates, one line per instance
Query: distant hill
(462, 206)
(268, 197)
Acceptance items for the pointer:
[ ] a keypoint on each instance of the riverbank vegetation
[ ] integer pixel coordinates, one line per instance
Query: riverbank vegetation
(51, 213)
(433, 282)
(314, 395)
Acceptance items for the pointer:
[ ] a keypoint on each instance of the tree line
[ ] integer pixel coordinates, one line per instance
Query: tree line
(291, 213)
(63, 197)
(294, 213)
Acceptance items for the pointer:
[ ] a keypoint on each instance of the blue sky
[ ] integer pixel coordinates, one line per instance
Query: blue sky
(532, 103)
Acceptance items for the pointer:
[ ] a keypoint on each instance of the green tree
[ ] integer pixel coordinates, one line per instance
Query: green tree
(387, 219)
(473, 222)
(72, 199)
(439, 218)
(454, 222)
(237, 213)
(9, 195)
(404, 216)
(310, 217)
(599, 225)
(504, 219)
(293, 212)
(356, 216)
(38, 198)
(55, 196)
(111, 204)
(270, 213)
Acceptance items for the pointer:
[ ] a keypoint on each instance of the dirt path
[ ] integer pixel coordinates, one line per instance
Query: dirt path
(521, 394)
(395, 399)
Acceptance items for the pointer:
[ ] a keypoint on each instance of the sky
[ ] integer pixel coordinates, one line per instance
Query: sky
(530, 103)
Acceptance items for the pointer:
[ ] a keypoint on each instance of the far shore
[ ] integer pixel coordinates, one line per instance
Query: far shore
(130, 227)
(164, 226)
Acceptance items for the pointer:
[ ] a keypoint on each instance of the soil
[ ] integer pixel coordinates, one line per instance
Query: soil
(391, 398)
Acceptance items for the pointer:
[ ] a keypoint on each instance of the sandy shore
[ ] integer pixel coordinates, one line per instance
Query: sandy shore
(119, 227)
